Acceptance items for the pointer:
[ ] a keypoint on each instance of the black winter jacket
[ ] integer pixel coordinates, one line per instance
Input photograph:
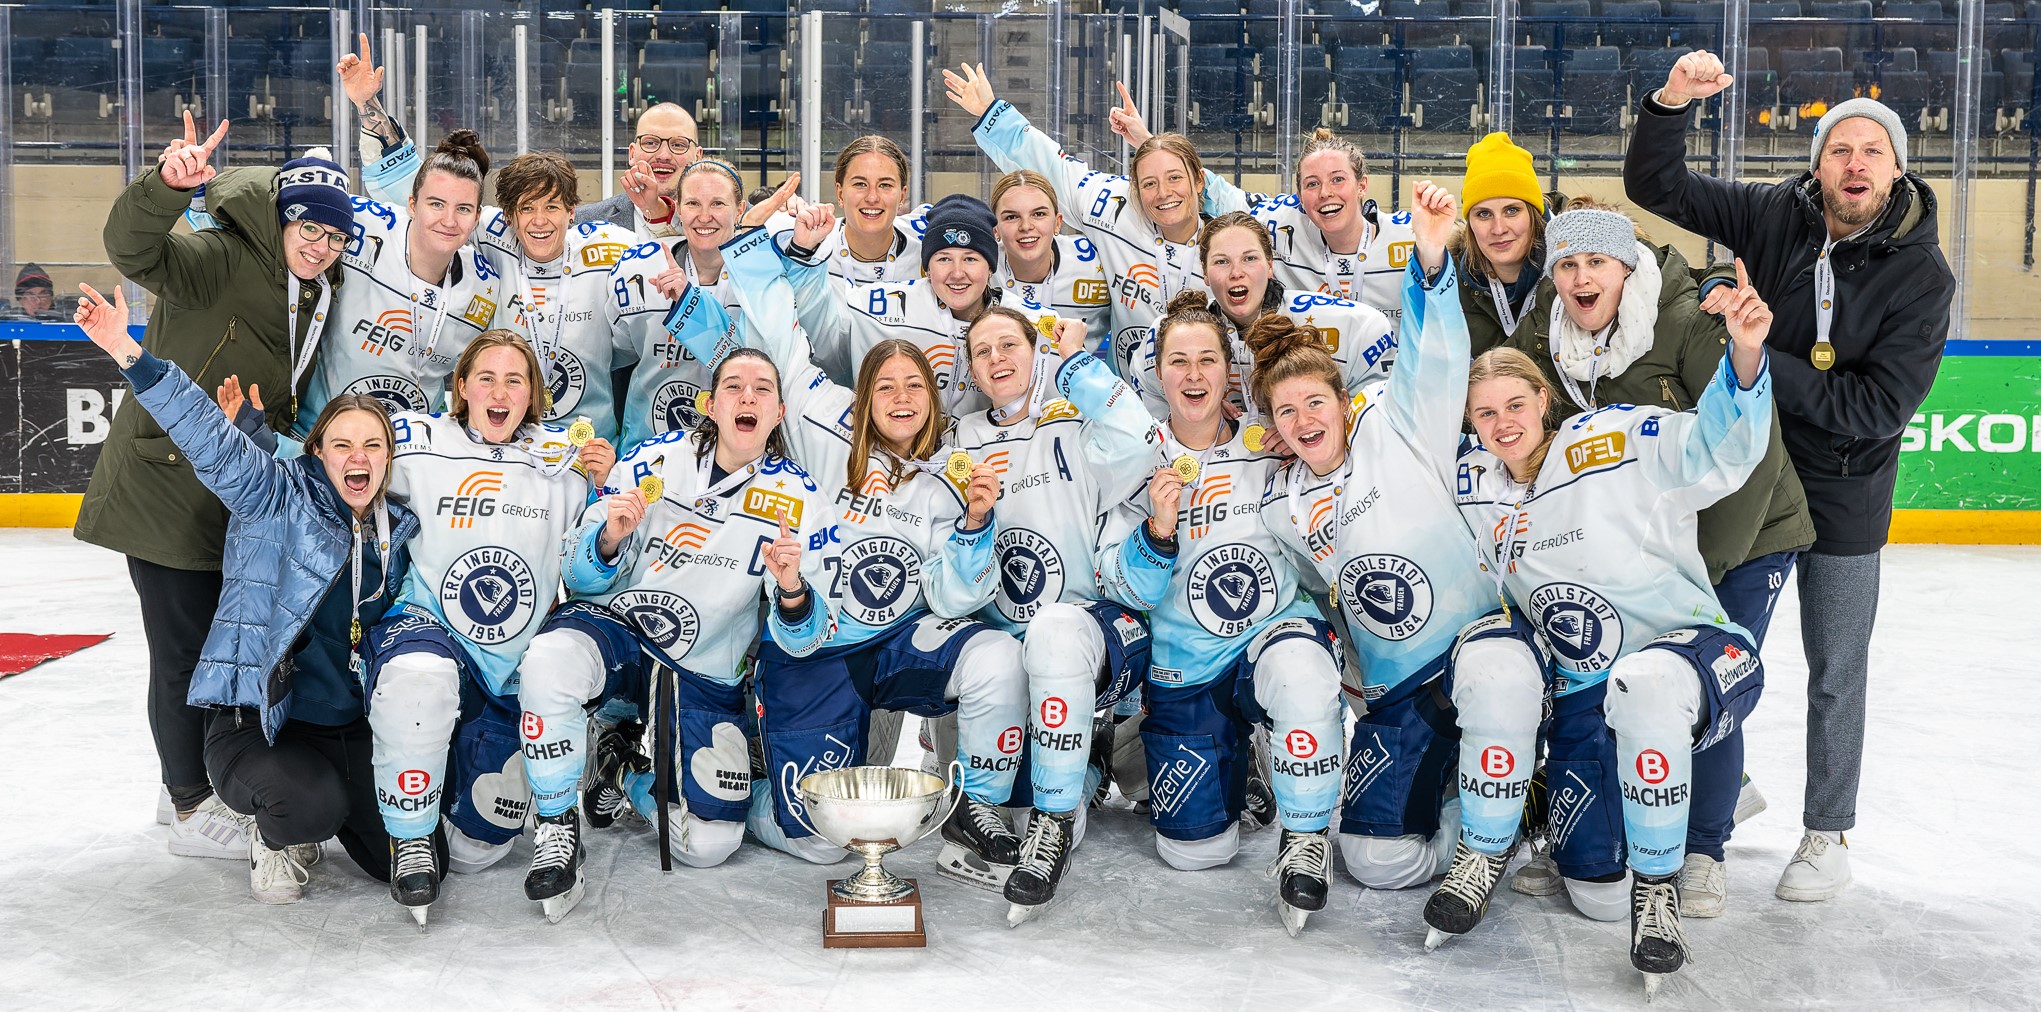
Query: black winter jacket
(1893, 289)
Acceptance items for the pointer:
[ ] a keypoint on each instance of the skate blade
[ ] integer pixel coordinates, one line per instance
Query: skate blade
(557, 907)
(1018, 914)
(418, 914)
(1433, 938)
(964, 866)
(1293, 918)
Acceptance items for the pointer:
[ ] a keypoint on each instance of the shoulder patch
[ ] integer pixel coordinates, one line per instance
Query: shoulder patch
(602, 254)
(480, 311)
(1358, 404)
(1594, 451)
(1057, 410)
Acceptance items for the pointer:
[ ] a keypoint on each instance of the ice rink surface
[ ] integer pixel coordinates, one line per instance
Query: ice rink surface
(1943, 914)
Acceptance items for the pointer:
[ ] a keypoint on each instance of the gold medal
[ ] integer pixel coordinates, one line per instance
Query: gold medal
(702, 403)
(1252, 438)
(1046, 326)
(958, 467)
(653, 487)
(1186, 467)
(354, 633)
(581, 431)
(1823, 356)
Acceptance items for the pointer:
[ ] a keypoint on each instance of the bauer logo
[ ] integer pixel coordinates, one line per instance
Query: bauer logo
(1583, 628)
(1594, 451)
(770, 505)
(1030, 573)
(473, 497)
(488, 595)
(1387, 594)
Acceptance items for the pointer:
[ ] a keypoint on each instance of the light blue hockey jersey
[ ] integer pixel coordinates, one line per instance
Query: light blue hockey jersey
(1600, 548)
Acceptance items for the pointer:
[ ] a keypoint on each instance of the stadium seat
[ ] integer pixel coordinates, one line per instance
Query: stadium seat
(1596, 89)
(1696, 24)
(674, 71)
(1368, 83)
(1444, 88)
(1213, 22)
(1812, 80)
(1894, 77)
(1532, 87)
(1856, 14)
(1772, 10)
(1942, 69)
(1633, 24)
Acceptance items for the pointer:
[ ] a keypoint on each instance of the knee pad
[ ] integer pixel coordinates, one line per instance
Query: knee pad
(1296, 680)
(1498, 686)
(989, 670)
(416, 700)
(1198, 855)
(1600, 901)
(1652, 691)
(702, 843)
(467, 855)
(1064, 648)
(562, 670)
(1389, 862)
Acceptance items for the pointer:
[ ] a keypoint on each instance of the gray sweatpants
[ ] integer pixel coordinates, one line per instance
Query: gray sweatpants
(1838, 606)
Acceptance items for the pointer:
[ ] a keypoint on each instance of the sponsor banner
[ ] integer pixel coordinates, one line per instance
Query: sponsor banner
(1976, 443)
(57, 399)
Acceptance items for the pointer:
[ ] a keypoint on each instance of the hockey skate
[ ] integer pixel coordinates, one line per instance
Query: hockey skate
(555, 879)
(1301, 879)
(1101, 761)
(978, 847)
(1459, 903)
(1043, 857)
(1261, 798)
(1658, 948)
(414, 875)
(616, 756)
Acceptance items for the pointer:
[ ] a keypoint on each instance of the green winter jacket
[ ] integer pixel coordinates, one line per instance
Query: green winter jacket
(1769, 514)
(219, 312)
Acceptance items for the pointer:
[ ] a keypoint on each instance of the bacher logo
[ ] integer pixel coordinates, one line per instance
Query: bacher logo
(472, 498)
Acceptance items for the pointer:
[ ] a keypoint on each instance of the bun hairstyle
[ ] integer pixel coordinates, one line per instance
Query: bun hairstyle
(867, 145)
(864, 435)
(706, 432)
(1191, 308)
(459, 154)
(1323, 139)
(1283, 350)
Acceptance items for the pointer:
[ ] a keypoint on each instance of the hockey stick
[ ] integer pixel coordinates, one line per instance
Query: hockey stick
(662, 757)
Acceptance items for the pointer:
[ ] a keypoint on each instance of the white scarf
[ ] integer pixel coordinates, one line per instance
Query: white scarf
(1587, 357)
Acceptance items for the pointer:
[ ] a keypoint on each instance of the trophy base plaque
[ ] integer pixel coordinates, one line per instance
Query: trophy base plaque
(849, 924)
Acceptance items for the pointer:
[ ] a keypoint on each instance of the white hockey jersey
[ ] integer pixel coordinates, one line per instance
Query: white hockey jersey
(1370, 276)
(690, 578)
(486, 562)
(1062, 471)
(665, 379)
(897, 548)
(1229, 576)
(1361, 340)
(1075, 289)
(1377, 538)
(1600, 550)
(392, 335)
(1143, 270)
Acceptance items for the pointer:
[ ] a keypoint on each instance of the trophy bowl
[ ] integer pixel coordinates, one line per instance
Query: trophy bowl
(872, 811)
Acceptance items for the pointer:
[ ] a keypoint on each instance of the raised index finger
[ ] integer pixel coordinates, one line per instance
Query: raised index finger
(190, 129)
(785, 531)
(1126, 100)
(1742, 276)
(365, 49)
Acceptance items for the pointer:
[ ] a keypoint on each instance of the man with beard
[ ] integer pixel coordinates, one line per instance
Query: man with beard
(664, 141)
(1847, 256)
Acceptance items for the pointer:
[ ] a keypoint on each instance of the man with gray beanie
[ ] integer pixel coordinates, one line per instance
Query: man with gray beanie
(1848, 258)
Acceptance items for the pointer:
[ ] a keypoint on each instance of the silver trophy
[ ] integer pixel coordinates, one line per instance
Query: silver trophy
(872, 811)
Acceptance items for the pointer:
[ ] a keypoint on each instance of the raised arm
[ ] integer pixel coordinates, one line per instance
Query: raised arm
(1655, 173)
(1428, 388)
(1010, 141)
(190, 269)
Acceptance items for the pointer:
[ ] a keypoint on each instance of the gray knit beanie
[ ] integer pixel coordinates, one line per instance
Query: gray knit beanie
(1869, 108)
(1590, 230)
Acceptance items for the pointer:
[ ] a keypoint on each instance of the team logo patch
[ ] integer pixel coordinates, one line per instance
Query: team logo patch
(673, 406)
(396, 392)
(1090, 292)
(1057, 409)
(480, 310)
(1387, 594)
(666, 620)
(602, 254)
(488, 595)
(1582, 627)
(956, 237)
(1174, 783)
(880, 580)
(570, 379)
(1594, 451)
(1030, 573)
(1230, 588)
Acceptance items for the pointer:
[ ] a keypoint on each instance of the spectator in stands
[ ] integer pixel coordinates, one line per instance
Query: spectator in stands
(1848, 257)
(35, 298)
(230, 300)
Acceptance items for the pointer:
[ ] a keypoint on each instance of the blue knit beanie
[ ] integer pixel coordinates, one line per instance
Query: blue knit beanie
(314, 188)
(958, 221)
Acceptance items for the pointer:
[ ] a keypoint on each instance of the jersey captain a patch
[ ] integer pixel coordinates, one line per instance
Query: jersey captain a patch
(1582, 627)
(1388, 595)
(1030, 573)
(489, 595)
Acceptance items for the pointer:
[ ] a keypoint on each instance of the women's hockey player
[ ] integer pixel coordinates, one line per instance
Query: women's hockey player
(1592, 526)
(1360, 514)
(496, 490)
(910, 558)
(1040, 266)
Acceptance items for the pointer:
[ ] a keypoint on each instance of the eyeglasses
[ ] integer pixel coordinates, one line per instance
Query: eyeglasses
(312, 231)
(651, 144)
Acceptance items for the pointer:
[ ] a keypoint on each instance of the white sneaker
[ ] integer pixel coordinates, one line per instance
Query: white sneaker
(274, 876)
(166, 813)
(211, 830)
(1749, 802)
(1820, 869)
(1538, 877)
(1704, 887)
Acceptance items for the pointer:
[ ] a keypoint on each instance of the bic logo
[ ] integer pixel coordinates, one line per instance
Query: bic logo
(1606, 448)
(471, 499)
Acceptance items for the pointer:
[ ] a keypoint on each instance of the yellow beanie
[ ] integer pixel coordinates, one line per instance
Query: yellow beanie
(1498, 168)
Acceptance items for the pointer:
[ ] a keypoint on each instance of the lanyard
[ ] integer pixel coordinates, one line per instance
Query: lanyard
(302, 360)
(546, 345)
(1504, 311)
(523, 444)
(1506, 531)
(1823, 355)
(438, 298)
(1241, 372)
(706, 468)
(1350, 289)
(382, 556)
(1594, 369)
(1338, 480)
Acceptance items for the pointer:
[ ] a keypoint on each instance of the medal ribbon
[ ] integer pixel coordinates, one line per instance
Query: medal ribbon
(302, 359)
